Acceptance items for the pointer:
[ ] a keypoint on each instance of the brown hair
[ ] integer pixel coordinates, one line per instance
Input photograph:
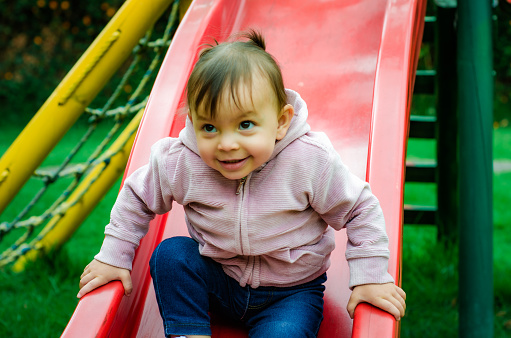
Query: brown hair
(223, 66)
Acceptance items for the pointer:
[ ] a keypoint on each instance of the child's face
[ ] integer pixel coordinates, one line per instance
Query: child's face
(238, 141)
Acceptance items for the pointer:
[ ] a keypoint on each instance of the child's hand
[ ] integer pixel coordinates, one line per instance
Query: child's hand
(388, 297)
(97, 274)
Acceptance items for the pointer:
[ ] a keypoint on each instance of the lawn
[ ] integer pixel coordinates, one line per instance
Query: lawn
(430, 274)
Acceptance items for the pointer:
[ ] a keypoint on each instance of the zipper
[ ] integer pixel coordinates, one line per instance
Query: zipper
(240, 192)
(240, 186)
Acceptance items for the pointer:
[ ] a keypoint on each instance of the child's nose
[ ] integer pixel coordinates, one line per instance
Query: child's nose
(228, 142)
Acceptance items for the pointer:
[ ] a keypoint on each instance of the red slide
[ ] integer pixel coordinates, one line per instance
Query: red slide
(353, 62)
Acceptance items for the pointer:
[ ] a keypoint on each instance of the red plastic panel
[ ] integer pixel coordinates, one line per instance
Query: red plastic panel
(395, 76)
(353, 62)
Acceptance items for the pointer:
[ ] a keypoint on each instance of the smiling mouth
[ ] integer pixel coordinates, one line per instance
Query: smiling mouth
(233, 161)
(233, 164)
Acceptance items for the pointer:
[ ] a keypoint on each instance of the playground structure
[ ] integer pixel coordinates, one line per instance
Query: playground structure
(357, 70)
(337, 78)
(95, 176)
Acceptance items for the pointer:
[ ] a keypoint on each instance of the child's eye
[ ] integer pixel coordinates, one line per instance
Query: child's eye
(209, 128)
(245, 125)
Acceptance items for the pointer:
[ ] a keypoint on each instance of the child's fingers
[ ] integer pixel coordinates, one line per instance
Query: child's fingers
(352, 304)
(85, 272)
(88, 287)
(86, 278)
(401, 292)
(387, 297)
(401, 297)
(126, 283)
(398, 305)
(398, 302)
(97, 274)
(397, 297)
(403, 303)
(394, 308)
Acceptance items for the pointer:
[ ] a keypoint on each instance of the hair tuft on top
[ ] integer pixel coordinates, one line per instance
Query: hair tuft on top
(255, 37)
(225, 66)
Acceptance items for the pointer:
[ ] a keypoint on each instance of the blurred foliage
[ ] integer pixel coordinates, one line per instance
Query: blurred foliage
(502, 45)
(502, 62)
(40, 41)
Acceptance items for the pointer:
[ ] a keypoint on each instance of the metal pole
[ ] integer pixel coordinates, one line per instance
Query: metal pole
(476, 117)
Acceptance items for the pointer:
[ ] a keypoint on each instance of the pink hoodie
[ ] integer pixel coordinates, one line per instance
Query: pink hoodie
(278, 231)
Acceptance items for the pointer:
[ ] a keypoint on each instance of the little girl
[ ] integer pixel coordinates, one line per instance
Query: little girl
(263, 195)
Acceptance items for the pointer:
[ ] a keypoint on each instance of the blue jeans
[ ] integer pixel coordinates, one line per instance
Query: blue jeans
(188, 286)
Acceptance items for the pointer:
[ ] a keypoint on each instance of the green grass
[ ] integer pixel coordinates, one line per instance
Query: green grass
(430, 281)
(430, 275)
(429, 269)
(40, 301)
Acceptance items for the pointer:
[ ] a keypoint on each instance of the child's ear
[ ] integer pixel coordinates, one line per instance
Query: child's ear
(285, 116)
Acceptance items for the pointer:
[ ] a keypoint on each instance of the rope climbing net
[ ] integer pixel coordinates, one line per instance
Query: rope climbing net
(21, 234)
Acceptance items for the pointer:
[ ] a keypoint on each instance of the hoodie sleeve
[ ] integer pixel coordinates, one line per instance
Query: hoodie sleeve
(345, 201)
(145, 193)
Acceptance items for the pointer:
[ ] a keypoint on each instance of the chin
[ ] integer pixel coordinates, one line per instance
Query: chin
(233, 176)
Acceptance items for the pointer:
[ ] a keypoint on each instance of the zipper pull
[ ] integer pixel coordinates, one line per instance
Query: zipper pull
(242, 182)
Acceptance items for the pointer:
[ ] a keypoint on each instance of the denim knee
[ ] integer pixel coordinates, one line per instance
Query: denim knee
(174, 251)
(179, 276)
(295, 311)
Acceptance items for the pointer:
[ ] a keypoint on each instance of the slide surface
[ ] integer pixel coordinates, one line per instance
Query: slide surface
(353, 62)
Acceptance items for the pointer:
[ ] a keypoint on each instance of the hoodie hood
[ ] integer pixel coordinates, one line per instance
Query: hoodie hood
(297, 128)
